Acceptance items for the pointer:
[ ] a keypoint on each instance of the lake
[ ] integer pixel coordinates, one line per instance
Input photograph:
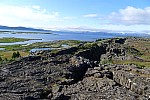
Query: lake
(83, 36)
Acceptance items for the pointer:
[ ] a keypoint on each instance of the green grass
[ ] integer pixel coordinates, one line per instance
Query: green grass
(140, 64)
(13, 47)
(12, 40)
(140, 48)
(24, 50)
(106, 61)
(88, 45)
(145, 57)
(55, 44)
(9, 54)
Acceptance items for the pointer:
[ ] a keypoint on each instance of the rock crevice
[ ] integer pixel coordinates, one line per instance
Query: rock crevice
(75, 74)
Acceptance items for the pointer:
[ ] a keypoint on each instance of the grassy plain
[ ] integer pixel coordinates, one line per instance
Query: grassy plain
(143, 47)
(24, 50)
(12, 40)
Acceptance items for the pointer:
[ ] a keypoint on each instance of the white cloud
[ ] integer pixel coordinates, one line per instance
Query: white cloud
(131, 16)
(35, 16)
(30, 16)
(91, 15)
(36, 7)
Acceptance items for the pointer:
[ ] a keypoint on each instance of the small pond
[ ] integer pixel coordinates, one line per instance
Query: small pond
(39, 49)
(65, 46)
(1, 49)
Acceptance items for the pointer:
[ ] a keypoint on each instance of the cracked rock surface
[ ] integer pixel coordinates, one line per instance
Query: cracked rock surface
(73, 75)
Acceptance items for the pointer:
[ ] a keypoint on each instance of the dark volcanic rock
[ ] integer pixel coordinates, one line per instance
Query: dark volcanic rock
(74, 74)
(94, 53)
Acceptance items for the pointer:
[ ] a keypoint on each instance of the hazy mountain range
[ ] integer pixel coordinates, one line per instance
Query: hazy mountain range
(135, 34)
(20, 28)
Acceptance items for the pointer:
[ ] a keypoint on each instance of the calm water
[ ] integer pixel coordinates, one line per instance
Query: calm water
(1, 49)
(39, 49)
(55, 36)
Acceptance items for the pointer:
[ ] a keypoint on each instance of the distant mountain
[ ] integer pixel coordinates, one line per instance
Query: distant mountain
(21, 28)
(133, 34)
(116, 34)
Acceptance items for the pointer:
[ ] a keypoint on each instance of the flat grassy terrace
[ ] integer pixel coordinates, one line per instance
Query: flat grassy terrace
(24, 49)
(12, 40)
(143, 46)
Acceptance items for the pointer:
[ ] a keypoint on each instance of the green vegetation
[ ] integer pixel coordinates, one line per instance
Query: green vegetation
(98, 40)
(12, 39)
(16, 55)
(54, 51)
(56, 44)
(8, 54)
(142, 46)
(138, 63)
(1, 58)
(11, 50)
(133, 51)
(139, 48)
(11, 47)
(109, 61)
(88, 45)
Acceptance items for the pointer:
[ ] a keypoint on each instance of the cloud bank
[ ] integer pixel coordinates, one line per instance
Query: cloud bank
(31, 16)
(131, 16)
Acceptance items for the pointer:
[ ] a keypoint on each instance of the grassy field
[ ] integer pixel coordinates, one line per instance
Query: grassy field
(56, 44)
(24, 49)
(10, 49)
(138, 63)
(143, 46)
(12, 40)
(8, 55)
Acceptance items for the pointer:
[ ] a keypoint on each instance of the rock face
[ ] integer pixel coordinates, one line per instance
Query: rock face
(94, 53)
(72, 74)
(136, 81)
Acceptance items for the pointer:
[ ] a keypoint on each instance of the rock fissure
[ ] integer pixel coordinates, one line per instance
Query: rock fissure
(76, 74)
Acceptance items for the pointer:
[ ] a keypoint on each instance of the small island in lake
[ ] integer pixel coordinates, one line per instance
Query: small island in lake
(12, 39)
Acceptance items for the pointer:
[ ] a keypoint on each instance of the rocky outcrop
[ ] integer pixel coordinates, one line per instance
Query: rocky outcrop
(94, 53)
(136, 81)
(120, 40)
(67, 51)
(74, 74)
(101, 83)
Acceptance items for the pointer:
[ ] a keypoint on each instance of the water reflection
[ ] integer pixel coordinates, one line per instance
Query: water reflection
(39, 49)
(53, 37)
(65, 46)
(1, 49)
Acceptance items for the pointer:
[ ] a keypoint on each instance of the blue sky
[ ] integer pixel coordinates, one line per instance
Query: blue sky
(85, 15)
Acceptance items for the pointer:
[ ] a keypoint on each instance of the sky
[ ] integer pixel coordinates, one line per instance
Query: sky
(80, 15)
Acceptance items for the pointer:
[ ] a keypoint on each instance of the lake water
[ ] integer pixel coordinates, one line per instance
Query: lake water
(1, 49)
(55, 36)
(39, 49)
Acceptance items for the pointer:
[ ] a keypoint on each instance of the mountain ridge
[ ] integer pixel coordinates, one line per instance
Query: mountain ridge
(21, 28)
(118, 34)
